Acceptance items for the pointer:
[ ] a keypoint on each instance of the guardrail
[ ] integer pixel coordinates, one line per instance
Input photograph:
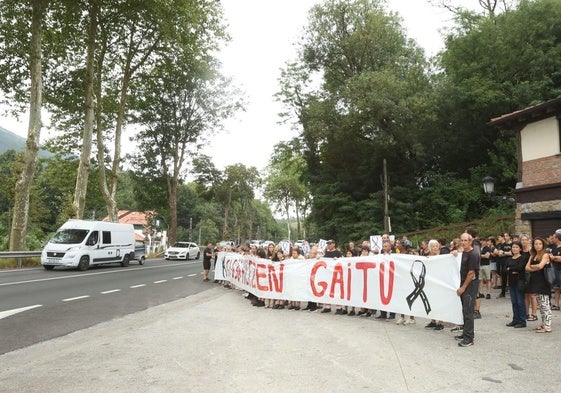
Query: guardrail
(19, 255)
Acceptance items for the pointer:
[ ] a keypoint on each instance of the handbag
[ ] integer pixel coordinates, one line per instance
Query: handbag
(549, 273)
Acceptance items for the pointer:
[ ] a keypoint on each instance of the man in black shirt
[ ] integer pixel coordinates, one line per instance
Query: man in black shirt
(331, 251)
(208, 253)
(504, 253)
(469, 282)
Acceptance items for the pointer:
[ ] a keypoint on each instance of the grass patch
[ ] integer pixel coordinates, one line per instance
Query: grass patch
(14, 263)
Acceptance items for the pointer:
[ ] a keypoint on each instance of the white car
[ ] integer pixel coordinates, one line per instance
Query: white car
(183, 250)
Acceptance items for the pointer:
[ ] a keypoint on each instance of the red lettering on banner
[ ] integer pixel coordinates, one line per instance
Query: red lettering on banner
(349, 281)
(259, 274)
(337, 279)
(364, 266)
(276, 281)
(386, 299)
(250, 279)
(322, 284)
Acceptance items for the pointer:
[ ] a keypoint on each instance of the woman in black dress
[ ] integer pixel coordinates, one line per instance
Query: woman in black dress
(538, 284)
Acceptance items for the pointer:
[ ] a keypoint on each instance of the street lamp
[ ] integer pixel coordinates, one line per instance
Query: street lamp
(488, 184)
(489, 188)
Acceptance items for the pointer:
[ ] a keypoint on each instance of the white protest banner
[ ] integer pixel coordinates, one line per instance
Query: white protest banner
(407, 284)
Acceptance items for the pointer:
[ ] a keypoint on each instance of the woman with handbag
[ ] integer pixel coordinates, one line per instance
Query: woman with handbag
(538, 283)
(515, 266)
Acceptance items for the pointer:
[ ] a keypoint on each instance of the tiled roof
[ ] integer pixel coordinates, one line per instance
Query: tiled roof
(528, 115)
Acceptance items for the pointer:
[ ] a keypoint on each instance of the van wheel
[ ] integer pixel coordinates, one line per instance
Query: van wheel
(49, 267)
(84, 263)
(125, 261)
(141, 260)
(198, 255)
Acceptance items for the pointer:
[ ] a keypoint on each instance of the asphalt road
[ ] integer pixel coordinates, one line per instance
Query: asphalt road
(38, 305)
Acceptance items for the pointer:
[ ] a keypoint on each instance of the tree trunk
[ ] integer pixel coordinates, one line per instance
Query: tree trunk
(287, 210)
(172, 203)
(23, 185)
(79, 203)
(225, 231)
(298, 225)
(110, 203)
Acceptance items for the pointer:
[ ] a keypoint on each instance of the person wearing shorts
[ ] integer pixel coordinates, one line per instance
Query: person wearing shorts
(493, 262)
(207, 257)
(485, 269)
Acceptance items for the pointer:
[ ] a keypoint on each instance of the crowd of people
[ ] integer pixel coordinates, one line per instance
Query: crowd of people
(517, 264)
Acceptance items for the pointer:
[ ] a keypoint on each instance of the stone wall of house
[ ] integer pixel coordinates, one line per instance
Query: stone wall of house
(542, 171)
(525, 226)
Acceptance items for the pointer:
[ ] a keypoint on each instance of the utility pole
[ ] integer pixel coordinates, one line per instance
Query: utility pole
(387, 224)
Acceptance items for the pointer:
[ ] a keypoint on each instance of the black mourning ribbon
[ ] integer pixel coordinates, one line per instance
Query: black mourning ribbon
(419, 285)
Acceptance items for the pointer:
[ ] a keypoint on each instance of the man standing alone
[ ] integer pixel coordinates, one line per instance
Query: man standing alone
(207, 257)
(469, 283)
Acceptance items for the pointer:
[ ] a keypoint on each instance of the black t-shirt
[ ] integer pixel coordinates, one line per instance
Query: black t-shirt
(516, 268)
(333, 254)
(556, 252)
(486, 261)
(207, 258)
(504, 247)
(470, 261)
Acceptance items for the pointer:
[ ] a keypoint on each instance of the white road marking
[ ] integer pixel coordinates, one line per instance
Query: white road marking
(137, 286)
(75, 298)
(159, 282)
(192, 275)
(96, 273)
(177, 278)
(7, 313)
(111, 291)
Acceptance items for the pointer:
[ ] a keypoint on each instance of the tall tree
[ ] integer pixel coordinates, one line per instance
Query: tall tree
(81, 189)
(236, 192)
(373, 84)
(23, 185)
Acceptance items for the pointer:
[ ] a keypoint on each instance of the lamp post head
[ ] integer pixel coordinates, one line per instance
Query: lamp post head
(488, 184)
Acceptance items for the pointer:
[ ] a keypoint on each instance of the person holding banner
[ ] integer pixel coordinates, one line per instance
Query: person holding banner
(364, 252)
(278, 257)
(386, 250)
(313, 254)
(469, 285)
(295, 256)
(433, 247)
(331, 252)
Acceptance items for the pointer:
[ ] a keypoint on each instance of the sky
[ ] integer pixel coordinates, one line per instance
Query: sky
(263, 36)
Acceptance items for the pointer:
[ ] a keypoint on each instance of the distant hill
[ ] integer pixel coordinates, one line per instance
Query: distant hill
(11, 141)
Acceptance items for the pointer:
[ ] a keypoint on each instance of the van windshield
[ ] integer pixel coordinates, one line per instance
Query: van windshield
(70, 236)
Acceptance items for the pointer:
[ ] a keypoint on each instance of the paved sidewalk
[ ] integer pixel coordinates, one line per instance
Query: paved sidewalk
(216, 341)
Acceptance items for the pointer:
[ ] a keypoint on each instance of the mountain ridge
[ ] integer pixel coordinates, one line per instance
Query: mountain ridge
(11, 141)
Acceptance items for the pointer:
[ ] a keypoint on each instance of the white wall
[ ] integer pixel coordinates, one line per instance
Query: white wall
(540, 139)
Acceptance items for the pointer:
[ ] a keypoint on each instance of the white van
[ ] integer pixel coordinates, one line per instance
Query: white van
(83, 243)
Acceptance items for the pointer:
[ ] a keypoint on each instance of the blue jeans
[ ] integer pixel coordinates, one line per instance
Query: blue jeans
(518, 305)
